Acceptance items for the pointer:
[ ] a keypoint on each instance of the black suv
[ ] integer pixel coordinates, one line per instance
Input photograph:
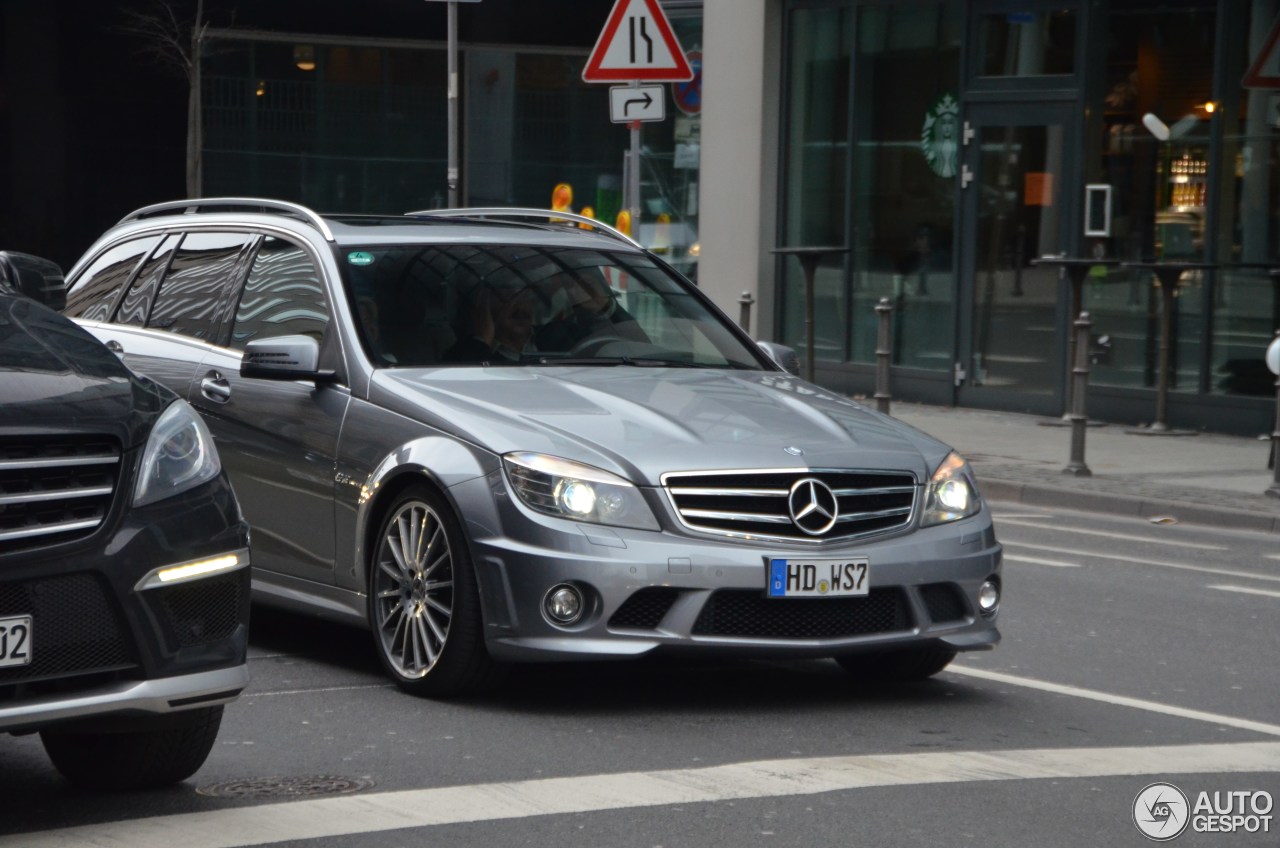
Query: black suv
(124, 587)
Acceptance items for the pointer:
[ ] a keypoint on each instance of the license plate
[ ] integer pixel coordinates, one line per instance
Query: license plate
(819, 578)
(15, 640)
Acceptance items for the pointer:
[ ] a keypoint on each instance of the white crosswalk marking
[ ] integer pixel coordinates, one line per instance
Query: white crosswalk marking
(370, 813)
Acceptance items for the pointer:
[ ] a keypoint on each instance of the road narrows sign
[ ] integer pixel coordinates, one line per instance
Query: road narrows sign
(637, 44)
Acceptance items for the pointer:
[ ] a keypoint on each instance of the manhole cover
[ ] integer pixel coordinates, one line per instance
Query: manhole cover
(286, 787)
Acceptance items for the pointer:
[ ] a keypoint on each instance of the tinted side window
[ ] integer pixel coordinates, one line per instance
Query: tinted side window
(283, 296)
(203, 269)
(95, 291)
(137, 300)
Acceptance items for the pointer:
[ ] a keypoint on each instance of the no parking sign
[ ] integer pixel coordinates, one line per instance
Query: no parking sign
(688, 95)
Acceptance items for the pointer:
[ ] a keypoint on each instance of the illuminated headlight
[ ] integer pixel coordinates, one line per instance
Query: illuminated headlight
(952, 494)
(572, 490)
(179, 455)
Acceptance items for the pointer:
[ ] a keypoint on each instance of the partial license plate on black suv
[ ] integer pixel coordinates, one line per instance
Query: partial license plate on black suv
(15, 640)
(819, 578)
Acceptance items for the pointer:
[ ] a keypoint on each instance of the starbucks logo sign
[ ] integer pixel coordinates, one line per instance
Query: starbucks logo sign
(939, 135)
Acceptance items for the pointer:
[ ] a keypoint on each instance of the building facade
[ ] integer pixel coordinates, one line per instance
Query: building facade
(944, 148)
(939, 150)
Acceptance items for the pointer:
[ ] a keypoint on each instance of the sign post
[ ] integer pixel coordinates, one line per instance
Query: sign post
(636, 45)
(451, 172)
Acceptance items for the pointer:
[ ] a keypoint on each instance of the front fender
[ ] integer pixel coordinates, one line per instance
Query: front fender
(365, 489)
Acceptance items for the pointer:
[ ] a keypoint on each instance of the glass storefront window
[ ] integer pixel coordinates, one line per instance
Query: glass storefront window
(671, 159)
(1155, 153)
(332, 126)
(1247, 308)
(815, 188)
(1027, 43)
(879, 180)
(905, 164)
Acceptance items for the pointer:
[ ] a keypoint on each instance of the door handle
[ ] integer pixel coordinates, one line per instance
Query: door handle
(215, 387)
(115, 347)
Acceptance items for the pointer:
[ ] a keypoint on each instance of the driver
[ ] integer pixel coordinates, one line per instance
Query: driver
(592, 310)
(503, 328)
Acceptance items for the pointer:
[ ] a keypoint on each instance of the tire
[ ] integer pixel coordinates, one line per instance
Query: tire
(902, 665)
(162, 750)
(424, 605)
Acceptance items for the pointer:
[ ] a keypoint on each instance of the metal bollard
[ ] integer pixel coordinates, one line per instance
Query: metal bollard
(883, 350)
(1274, 489)
(744, 311)
(1079, 388)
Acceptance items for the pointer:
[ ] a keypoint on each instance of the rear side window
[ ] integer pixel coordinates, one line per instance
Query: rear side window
(93, 294)
(282, 297)
(202, 272)
(137, 300)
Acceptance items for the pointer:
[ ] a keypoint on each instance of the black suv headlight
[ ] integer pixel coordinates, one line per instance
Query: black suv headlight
(179, 456)
(575, 491)
(951, 494)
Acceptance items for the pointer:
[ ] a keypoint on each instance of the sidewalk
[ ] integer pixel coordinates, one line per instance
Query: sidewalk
(1202, 479)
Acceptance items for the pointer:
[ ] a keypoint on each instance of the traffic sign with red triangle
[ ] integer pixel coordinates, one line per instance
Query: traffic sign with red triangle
(637, 43)
(1265, 70)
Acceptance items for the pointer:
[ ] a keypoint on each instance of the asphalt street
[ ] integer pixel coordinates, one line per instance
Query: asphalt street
(1133, 653)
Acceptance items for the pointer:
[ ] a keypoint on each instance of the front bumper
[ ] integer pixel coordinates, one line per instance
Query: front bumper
(675, 591)
(105, 639)
(127, 698)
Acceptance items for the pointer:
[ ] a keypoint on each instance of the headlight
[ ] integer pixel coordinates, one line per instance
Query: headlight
(952, 494)
(575, 491)
(179, 456)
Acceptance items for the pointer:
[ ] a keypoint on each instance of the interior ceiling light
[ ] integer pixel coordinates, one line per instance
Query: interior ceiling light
(304, 56)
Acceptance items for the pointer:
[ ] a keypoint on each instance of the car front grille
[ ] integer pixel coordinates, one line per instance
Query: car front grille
(747, 613)
(75, 629)
(645, 609)
(54, 489)
(758, 504)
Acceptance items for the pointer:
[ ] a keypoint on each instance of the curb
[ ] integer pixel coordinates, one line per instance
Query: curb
(1034, 494)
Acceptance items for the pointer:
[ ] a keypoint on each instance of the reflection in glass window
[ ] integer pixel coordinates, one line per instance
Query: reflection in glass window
(1028, 43)
(93, 294)
(530, 305)
(200, 276)
(1247, 308)
(887, 192)
(283, 296)
(136, 304)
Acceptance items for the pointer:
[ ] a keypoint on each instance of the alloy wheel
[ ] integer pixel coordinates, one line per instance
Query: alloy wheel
(413, 590)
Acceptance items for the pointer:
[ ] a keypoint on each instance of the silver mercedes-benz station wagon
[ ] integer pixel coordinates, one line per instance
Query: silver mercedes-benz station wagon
(508, 435)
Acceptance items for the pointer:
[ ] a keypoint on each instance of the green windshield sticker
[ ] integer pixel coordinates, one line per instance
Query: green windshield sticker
(360, 257)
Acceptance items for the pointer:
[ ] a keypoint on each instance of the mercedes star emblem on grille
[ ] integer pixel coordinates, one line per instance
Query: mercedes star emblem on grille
(813, 505)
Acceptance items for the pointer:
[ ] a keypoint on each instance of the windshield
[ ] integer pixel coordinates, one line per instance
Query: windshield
(481, 304)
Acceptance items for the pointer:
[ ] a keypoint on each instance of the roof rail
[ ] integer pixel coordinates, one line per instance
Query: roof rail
(523, 212)
(211, 204)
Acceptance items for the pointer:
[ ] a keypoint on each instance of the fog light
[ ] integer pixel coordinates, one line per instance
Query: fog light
(989, 597)
(563, 604)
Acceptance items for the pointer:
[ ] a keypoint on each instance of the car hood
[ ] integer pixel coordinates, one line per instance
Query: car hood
(56, 378)
(644, 422)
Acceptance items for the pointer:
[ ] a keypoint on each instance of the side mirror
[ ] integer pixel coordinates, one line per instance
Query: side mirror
(39, 279)
(283, 358)
(783, 356)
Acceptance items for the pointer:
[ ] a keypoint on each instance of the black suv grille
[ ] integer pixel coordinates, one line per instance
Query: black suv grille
(756, 503)
(75, 628)
(54, 489)
(748, 613)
